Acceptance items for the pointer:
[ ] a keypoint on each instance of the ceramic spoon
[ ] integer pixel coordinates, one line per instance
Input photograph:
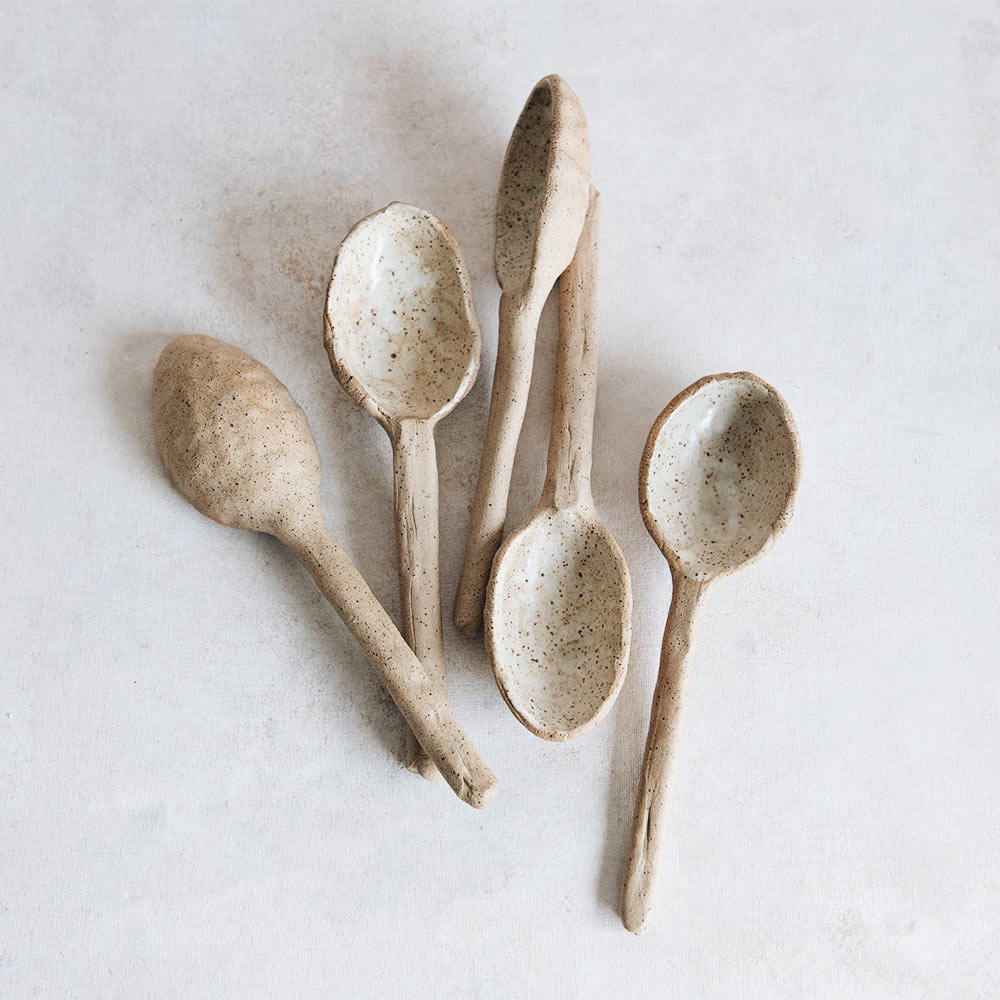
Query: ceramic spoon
(404, 341)
(544, 190)
(559, 607)
(238, 447)
(716, 485)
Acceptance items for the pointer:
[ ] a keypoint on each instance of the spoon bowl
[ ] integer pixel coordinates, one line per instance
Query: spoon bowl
(402, 332)
(203, 391)
(544, 188)
(560, 647)
(718, 474)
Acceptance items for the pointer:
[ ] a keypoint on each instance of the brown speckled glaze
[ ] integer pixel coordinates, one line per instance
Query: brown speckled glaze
(404, 342)
(543, 197)
(237, 446)
(559, 606)
(716, 486)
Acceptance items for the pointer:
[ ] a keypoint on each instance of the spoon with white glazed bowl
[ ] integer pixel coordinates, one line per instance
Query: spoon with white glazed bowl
(239, 448)
(559, 607)
(404, 341)
(544, 191)
(716, 485)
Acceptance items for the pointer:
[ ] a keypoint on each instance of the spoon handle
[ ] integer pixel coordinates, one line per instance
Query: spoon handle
(519, 316)
(574, 394)
(416, 694)
(638, 891)
(416, 502)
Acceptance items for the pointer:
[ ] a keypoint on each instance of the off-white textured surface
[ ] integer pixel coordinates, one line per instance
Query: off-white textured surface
(201, 791)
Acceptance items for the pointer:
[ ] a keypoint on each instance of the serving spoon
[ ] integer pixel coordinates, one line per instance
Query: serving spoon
(404, 341)
(544, 191)
(559, 606)
(239, 448)
(716, 485)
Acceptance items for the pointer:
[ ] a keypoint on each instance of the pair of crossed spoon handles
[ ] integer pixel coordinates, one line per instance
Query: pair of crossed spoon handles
(239, 448)
(555, 599)
(403, 338)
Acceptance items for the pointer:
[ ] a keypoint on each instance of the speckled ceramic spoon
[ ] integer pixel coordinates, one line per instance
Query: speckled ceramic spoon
(404, 341)
(716, 486)
(540, 209)
(559, 606)
(239, 448)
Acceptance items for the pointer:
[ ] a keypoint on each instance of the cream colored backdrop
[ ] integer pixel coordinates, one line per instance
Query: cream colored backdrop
(200, 788)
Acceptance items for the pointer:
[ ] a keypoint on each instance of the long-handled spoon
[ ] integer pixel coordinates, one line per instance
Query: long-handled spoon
(559, 606)
(239, 448)
(404, 341)
(544, 190)
(716, 486)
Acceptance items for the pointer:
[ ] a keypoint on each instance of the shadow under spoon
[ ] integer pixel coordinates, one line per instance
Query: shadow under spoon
(404, 342)
(716, 484)
(239, 448)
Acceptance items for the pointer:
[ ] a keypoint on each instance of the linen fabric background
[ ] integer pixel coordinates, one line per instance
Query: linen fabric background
(200, 782)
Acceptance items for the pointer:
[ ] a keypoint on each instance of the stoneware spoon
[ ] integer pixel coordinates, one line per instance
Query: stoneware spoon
(238, 447)
(716, 486)
(544, 190)
(404, 341)
(559, 606)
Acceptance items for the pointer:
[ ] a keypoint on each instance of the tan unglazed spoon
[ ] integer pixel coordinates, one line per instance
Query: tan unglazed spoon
(404, 341)
(544, 191)
(559, 607)
(716, 486)
(239, 448)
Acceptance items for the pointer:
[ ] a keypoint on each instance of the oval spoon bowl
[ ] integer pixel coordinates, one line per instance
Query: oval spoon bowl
(719, 473)
(202, 390)
(402, 331)
(560, 647)
(544, 186)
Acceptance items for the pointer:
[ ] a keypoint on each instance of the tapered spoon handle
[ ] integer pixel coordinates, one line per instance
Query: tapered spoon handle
(418, 695)
(639, 888)
(519, 315)
(415, 479)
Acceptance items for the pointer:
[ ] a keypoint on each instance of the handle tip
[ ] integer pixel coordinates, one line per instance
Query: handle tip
(637, 897)
(468, 615)
(635, 919)
(482, 793)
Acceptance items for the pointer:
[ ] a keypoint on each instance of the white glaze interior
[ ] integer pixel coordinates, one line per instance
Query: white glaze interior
(523, 185)
(559, 634)
(721, 475)
(402, 330)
